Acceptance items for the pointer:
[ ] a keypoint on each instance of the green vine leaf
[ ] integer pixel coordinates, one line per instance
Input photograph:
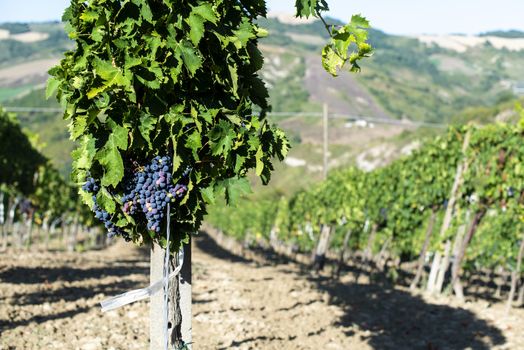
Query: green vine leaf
(147, 124)
(110, 74)
(105, 201)
(191, 60)
(308, 8)
(110, 158)
(51, 87)
(234, 189)
(83, 156)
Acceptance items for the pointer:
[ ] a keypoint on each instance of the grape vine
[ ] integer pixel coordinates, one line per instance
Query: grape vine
(31, 189)
(399, 200)
(179, 79)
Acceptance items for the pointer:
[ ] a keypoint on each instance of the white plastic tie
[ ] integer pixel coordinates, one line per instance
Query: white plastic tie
(144, 293)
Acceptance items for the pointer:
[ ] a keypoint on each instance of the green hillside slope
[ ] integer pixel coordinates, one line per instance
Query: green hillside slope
(409, 79)
(404, 79)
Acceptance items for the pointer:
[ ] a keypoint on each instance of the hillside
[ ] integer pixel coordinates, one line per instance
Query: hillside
(423, 78)
(419, 78)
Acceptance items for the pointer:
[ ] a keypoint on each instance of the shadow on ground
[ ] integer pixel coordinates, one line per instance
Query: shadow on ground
(40, 275)
(36, 286)
(388, 318)
(210, 247)
(396, 319)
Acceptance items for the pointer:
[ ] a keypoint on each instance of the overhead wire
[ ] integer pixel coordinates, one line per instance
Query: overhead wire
(347, 117)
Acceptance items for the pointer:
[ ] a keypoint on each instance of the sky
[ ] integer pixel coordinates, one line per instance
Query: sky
(393, 16)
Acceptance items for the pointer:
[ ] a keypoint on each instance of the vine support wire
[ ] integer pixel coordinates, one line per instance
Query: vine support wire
(166, 279)
(350, 117)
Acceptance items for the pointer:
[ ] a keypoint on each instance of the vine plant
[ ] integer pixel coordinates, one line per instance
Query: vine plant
(400, 198)
(176, 78)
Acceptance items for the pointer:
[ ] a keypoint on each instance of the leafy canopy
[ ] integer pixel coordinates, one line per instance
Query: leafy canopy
(178, 78)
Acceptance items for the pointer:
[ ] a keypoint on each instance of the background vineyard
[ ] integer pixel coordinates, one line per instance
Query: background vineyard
(38, 206)
(384, 217)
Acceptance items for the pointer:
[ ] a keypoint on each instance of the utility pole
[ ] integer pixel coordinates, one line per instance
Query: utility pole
(326, 150)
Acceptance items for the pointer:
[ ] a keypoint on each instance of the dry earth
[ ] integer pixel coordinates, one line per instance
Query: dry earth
(50, 301)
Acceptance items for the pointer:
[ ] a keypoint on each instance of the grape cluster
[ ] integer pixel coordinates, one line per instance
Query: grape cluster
(26, 206)
(151, 189)
(91, 187)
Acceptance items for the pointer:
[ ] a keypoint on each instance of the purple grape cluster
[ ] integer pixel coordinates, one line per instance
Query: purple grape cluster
(151, 189)
(26, 206)
(91, 187)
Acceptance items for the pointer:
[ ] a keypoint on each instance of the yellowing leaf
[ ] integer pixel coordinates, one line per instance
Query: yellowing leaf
(259, 160)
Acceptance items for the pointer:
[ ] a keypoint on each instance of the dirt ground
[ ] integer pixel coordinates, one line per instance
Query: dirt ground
(50, 301)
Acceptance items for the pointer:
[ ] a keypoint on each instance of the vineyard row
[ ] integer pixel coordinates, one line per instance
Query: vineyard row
(452, 208)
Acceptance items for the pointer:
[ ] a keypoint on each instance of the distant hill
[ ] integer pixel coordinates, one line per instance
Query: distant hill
(437, 79)
(21, 42)
(419, 78)
(426, 78)
(505, 34)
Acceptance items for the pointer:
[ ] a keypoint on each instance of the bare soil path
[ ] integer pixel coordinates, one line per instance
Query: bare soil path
(50, 301)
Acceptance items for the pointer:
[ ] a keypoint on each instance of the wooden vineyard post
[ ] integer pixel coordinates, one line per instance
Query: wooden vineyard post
(156, 329)
(179, 305)
(29, 229)
(520, 297)
(72, 233)
(457, 263)
(515, 277)
(322, 247)
(425, 246)
(448, 216)
(9, 225)
(273, 238)
(381, 258)
(433, 272)
(368, 252)
(185, 297)
(459, 236)
(342, 257)
(2, 221)
(439, 283)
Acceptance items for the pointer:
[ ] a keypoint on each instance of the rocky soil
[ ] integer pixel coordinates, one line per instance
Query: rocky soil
(50, 301)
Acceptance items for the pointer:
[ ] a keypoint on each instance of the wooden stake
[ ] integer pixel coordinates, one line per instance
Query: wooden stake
(185, 297)
(457, 264)
(433, 272)
(514, 277)
(368, 253)
(156, 315)
(342, 258)
(443, 268)
(179, 332)
(322, 247)
(448, 216)
(425, 246)
(520, 297)
(2, 221)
